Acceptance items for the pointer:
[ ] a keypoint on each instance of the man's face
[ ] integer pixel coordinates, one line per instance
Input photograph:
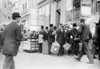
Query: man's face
(51, 27)
(18, 20)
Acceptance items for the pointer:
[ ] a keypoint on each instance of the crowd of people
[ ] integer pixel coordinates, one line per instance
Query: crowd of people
(79, 37)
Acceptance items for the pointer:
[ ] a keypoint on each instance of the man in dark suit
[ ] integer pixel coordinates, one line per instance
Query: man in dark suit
(95, 43)
(60, 39)
(51, 37)
(85, 37)
(45, 36)
(98, 37)
(41, 33)
(73, 34)
(11, 41)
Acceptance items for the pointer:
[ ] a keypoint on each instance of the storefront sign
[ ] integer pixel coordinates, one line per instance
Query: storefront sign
(86, 10)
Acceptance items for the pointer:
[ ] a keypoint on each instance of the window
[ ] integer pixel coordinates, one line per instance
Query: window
(23, 6)
(86, 10)
(26, 5)
(76, 4)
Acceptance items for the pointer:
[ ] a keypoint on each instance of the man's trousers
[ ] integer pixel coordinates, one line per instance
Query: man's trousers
(9, 62)
(86, 50)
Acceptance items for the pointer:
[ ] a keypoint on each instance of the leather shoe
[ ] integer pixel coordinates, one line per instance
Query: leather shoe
(77, 59)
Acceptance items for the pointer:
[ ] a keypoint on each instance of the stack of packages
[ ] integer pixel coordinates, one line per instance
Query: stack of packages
(26, 45)
(55, 48)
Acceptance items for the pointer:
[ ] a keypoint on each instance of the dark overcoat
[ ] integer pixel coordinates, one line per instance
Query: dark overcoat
(85, 34)
(11, 38)
(51, 37)
(60, 37)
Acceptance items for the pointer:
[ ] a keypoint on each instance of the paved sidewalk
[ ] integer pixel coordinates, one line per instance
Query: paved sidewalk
(40, 61)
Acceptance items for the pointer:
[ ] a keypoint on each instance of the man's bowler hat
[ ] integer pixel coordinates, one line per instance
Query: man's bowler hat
(16, 15)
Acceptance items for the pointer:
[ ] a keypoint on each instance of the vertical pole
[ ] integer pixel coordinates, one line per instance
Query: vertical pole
(49, 13)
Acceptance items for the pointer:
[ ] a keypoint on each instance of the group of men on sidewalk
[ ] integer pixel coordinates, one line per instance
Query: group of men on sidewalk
(71, 37)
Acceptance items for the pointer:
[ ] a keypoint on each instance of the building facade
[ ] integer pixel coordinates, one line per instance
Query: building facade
(44, 12)
(49, 12)
(28, 12)
(65, 11)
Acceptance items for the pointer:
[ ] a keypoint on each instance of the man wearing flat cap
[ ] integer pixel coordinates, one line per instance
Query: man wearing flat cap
(85, 36)
(11, 41)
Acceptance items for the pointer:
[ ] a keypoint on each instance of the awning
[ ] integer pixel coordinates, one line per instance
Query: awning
(26, 14)
(44, 3)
